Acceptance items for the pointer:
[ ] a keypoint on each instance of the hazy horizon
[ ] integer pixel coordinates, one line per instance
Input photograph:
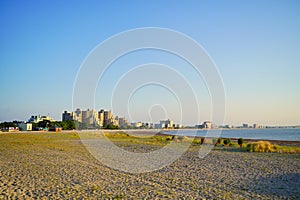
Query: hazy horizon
(254, 44)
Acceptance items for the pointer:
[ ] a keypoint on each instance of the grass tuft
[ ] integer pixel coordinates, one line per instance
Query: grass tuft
(264, 146)
(260, 146)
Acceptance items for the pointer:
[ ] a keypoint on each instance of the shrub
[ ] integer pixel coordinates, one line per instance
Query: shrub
(168, 138)
(227, 142)
(217, 141)
(241, 142)
(202, 140)
(111, 126)
(197, 141)
(260, 146)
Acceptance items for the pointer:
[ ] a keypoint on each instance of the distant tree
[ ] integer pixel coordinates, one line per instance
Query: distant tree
(63, 125)
(217, 141)
(76, 124)
(202, 140)
(34, 125)
(7, 124)
(241, 142)
(111, 126)
(44, 124)
(227, 141)
(67, 125)
(71, 125)
(83, 126)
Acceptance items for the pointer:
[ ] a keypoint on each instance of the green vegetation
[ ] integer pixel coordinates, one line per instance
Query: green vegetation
(64, 141)
(111, 126)
(260, 146)
(7, 124)
(202, 140)
(265, 146)
(217, 141)
(146, 140)
(227, 142)
(241, 142)
(196, 141)
(286, 149)
(65, 125)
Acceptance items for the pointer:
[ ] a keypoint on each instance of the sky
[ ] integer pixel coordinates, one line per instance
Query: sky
(254, 44)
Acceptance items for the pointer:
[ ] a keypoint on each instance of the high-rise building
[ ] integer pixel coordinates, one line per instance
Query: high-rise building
(67, 116)
(123, 122)
(108, 118)
(77, 115)
(101, 118)
(90, 116)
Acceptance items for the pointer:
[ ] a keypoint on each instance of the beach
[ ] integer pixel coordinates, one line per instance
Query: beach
(58, 166)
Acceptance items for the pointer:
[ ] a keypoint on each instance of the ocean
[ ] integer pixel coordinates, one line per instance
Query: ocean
(286, 134)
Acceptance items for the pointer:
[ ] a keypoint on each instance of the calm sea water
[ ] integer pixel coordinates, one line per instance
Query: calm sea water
(287, 134)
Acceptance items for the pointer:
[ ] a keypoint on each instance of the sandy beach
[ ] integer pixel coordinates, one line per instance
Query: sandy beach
(57, 166)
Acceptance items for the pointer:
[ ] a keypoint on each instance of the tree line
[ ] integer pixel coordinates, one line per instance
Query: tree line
(65, 125)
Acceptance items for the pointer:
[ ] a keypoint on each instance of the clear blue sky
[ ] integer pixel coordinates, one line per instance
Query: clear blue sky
(255, 44)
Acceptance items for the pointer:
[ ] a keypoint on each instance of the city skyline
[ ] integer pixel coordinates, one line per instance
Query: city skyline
(103, 117)
(254, 44)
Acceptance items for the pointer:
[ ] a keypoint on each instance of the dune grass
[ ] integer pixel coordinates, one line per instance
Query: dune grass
(265, 146)
(260, 146)
(155, 140)
(286, 149)
(146, 140)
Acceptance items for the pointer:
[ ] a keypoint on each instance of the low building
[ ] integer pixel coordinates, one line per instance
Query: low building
(137, 124)
(122, 121)
(166, 123)
(177, 126)
(25, 126)
(10, 129)
(257, 126)
(245, 126)
(39, 118)
(158, 126)
(206, 125)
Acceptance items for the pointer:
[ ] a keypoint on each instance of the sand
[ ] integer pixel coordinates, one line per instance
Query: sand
(48, 166)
